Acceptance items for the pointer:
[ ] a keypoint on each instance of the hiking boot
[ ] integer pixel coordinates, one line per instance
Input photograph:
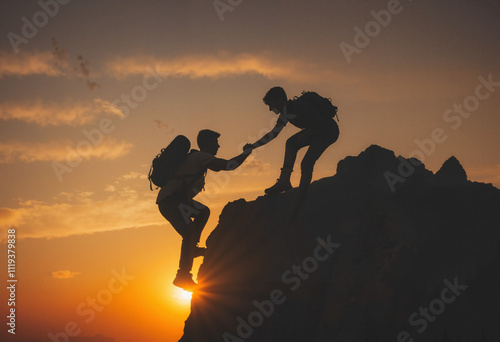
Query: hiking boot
(185, 281)
(283, 183)
(199, 251)
(280, 186)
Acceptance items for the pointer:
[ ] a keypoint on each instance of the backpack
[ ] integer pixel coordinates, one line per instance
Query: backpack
(166, 163)
(322, 104)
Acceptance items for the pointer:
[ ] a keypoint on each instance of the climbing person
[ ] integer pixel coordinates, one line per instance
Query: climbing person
(175, 199)
(312, 113)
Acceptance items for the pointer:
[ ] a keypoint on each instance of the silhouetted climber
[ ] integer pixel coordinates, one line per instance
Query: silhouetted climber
(314, 114)
(175, 200)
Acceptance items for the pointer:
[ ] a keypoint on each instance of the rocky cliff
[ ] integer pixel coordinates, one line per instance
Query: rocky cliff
(384, 250)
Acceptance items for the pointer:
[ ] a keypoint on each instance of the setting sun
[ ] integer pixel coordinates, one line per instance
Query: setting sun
(182, 296)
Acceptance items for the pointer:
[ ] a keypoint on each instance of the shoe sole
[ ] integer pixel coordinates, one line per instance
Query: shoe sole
(186, 288)
(276, 192)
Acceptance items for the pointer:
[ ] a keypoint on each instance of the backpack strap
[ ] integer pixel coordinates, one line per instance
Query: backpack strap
(185, 186)
(336, 111)
(195, 175)
(149, 177)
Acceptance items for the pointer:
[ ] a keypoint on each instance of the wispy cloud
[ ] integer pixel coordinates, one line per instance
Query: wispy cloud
(55, 114)
(75, 214)
(221, 65)
(65, 274)
(21, 151)
(30, 63)
(122, 204)
(218, 65)
(49, 63)
(132, 175)
(9, 217)
(254, 166)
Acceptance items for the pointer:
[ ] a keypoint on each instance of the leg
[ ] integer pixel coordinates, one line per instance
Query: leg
(180, 215)
(293, 145)
(200, 220)
(323, 138)
(189, 249)
(176, 212)
(195, 216)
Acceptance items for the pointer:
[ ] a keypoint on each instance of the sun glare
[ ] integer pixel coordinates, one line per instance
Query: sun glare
(182, 296)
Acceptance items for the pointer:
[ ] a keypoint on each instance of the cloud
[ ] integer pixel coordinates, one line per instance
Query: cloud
(54, 114)
(107, 107)
(8, 217)
(54, 63)
(65, 274)
(254, 166)
(110, 188)
(72, 196)
(218, 65)
(121, 205)
(74, 214)
(132, 175)
(30, 63)
(122, 182)
(61, 151)
(221, 65)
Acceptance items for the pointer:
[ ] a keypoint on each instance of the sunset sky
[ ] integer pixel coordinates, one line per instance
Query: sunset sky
(92, 90)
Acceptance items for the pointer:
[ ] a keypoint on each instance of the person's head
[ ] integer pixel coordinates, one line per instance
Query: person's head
(276, 99)
(208, 141)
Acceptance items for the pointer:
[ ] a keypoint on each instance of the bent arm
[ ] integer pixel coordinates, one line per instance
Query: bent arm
(219, 164)
(270, 136)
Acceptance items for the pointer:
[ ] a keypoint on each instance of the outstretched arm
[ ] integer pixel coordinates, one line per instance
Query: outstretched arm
(219, 164)
(269, 136)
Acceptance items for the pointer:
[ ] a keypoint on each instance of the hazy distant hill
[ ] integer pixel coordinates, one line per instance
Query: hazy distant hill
(361, 263)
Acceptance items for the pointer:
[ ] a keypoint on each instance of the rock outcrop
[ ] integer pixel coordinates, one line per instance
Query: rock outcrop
(384, 250)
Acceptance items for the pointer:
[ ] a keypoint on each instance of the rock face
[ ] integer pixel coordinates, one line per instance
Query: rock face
(452, 172)
(383, 251)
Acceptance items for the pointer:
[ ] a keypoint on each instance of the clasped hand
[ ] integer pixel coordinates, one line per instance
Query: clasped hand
(249, 147)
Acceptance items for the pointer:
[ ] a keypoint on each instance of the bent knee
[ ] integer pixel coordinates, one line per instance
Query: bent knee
(291, 144)
(204, 212)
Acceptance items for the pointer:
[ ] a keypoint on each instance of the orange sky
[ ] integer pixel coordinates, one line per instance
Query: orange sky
(91, 95)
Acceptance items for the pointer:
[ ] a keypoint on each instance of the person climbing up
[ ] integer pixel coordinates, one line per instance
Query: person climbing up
(187, 216)
(315, 116)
